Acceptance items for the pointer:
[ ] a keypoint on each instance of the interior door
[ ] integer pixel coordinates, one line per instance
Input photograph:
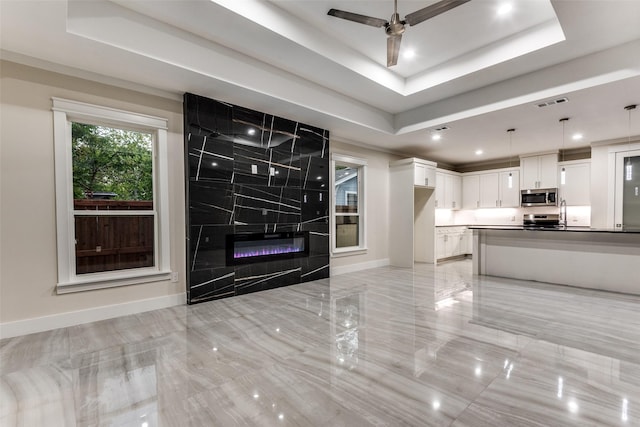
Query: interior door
(627, 197)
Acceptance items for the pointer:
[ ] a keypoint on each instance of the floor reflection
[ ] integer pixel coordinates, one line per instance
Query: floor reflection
(434, 345)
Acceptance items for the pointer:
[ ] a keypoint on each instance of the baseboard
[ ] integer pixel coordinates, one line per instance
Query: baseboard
(335, 271)
(71, 318)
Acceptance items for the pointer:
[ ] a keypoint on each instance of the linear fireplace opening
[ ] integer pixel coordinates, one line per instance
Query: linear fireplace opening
(259, 247)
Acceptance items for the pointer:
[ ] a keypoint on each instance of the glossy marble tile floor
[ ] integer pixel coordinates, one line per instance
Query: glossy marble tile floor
(384, 347)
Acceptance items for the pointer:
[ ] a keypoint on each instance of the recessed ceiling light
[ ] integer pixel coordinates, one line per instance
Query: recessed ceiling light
(214, 164)
(436, 137)
(409, 54)
(479, 152)
(504, 9)
(251, 131)
(577, 136)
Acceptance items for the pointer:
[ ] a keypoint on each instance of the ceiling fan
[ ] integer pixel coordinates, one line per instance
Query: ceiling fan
(395, 26)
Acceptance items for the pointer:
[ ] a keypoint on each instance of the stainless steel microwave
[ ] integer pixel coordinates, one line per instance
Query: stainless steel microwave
(539, 197)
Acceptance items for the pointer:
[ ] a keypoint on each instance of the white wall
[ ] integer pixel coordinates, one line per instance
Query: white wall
(27, 220)
(376, 206)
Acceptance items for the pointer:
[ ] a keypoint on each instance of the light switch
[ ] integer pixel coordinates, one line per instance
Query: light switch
(254, 169)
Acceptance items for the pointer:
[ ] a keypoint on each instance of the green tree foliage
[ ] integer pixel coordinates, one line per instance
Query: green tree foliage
(112, 161)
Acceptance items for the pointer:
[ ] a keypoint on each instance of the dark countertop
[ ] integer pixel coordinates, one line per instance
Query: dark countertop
(561, 229)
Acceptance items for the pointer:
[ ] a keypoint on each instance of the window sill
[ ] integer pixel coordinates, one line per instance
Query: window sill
(112, 281)
(348, 252)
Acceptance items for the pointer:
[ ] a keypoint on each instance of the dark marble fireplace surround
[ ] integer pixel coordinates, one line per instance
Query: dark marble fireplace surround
(250, 172)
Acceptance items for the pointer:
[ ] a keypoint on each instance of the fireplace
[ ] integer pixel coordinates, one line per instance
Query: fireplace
(250, 248)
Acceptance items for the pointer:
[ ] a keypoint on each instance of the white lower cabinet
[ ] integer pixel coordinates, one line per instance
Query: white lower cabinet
(452, 241)
(441, 245)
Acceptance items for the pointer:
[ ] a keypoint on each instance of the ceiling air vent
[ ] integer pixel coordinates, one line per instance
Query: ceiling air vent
(552, 102)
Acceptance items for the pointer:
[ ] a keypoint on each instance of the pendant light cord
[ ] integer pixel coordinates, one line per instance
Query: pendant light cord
(563, 120)
(510, 132)
(629, 108)
(629, 167)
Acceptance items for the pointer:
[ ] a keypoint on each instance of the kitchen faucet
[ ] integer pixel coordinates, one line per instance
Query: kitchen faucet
(563, 212)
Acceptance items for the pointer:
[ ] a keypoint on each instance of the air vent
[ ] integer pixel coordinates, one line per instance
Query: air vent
(552, 102)
(440, 129)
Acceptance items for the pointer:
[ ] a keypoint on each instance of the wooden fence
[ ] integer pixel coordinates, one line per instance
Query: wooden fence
(113, 242)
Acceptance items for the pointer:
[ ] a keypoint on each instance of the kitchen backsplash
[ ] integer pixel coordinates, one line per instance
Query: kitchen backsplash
(577, 216)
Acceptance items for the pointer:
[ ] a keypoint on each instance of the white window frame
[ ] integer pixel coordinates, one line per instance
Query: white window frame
(361, 165)
(64, 113)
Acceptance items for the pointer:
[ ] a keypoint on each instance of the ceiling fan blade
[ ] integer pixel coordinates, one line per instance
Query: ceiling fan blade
(434, 10)
(362, 19)
(393, 49)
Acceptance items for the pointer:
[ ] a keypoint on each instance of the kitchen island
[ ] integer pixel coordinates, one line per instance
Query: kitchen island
(603, 259)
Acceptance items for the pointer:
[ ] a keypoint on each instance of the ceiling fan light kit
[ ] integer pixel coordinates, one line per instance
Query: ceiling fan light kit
(395, 27)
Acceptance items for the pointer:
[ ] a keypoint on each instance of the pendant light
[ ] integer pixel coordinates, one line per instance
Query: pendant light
(510, 178)
(563, 172)
(628, 169)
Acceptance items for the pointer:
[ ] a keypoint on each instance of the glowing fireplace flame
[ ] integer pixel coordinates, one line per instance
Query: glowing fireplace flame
(262, 248)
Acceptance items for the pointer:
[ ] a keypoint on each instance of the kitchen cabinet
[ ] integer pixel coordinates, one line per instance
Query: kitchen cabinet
(539, 171)
(576, 189)
(424, 173)
(441, 244)
(454, 190)
(470, 191)
(440, 184)
(411, 212)
(448, 190)
(509, 194)
(453, 241)
(491, 189)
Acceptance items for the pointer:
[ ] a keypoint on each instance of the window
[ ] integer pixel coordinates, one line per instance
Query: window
(111, 196)
(348, 204)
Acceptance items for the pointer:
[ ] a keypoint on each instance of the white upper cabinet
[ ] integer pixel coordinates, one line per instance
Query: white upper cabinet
(548, 171)
(539, 171)
(491, 189)
(424, 173)
(510, 189)
(470, 191)
(440, 184)
(448, 190)
(529, 172)
(576, 188)
(455, 190)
